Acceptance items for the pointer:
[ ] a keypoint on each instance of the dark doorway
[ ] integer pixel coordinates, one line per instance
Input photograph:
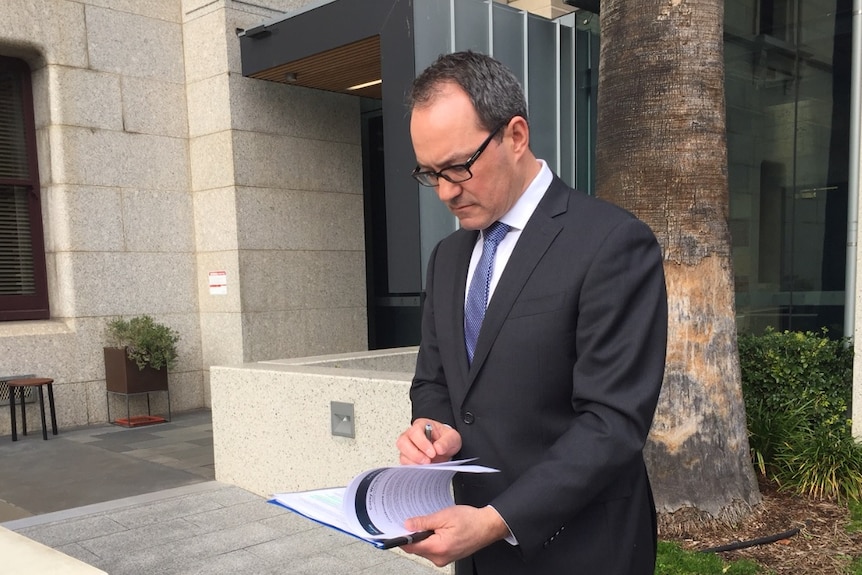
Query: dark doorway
(393, 318)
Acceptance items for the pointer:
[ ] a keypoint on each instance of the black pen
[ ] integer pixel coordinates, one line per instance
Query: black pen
(406, 540)
(428, 430)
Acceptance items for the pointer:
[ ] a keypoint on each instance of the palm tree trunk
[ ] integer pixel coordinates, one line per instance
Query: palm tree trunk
(661, 153)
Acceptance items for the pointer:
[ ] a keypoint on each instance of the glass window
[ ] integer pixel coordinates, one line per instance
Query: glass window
(509, 38)
(23, 286)
(787, 69)
(543, 89)
(586, 81)
(471, 25)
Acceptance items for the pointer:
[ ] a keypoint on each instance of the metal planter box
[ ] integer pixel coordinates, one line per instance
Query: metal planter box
(123, 376)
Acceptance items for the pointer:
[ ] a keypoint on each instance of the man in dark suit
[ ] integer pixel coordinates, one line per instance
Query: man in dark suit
(559, 389)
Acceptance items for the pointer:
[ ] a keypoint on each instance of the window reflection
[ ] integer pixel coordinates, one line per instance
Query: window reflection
(788, 105)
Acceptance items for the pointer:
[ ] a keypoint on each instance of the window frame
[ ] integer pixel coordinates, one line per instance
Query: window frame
(35, 306)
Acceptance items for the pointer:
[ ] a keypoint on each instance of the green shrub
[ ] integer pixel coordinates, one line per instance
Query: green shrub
(771, 431)
(797, 388)
(825, 464)
(785, 368)
(147, 343)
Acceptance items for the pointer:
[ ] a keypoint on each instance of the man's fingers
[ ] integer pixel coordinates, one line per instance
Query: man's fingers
(413, 448)
(449, 442)
(458, 532)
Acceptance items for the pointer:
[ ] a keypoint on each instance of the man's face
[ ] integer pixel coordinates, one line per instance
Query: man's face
(447, 132)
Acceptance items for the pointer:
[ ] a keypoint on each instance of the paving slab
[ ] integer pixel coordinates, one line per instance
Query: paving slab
(113, 498)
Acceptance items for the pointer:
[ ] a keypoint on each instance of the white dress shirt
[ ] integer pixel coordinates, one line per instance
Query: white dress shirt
(516, 218)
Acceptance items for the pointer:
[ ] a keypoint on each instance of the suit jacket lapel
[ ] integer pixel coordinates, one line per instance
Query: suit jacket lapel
(535, 239)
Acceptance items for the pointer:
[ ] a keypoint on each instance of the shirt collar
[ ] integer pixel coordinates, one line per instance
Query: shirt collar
(518, 216)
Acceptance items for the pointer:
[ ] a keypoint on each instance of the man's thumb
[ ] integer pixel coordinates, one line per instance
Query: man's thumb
(415, 524)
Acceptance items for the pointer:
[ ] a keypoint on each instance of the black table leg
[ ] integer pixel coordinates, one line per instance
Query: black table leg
(51, 404)
(42, 413)
(23, 412)
(12, 413)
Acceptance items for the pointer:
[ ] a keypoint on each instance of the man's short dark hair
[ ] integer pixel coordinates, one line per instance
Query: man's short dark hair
(495, 91)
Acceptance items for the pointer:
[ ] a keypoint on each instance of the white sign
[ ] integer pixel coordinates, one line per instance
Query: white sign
(218, 283)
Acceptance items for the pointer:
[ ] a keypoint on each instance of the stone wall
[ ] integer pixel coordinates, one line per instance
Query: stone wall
(160, 163)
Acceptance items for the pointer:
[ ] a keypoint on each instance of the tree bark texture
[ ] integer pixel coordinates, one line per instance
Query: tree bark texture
(661, 153)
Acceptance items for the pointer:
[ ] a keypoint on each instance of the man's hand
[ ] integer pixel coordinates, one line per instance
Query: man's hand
(415, 448)
(459, 531)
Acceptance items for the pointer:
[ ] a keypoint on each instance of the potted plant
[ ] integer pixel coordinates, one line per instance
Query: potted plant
(138, 355)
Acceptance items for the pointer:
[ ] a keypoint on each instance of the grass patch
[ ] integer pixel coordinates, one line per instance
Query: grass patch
(855, 524)
(674, 560)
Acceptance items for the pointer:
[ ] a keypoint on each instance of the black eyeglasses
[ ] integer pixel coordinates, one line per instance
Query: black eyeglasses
(457, 173)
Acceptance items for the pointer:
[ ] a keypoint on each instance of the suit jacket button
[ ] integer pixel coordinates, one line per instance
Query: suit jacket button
(469, 417)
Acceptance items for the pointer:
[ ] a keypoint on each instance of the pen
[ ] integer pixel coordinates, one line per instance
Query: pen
(428, 429)
(406, 540)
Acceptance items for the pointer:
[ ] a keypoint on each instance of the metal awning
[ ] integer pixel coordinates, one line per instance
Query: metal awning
(334, 46)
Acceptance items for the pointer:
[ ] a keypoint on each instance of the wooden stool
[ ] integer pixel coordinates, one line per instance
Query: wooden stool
(20, 384)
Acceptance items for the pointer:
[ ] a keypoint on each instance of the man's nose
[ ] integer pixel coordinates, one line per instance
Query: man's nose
(447, 191)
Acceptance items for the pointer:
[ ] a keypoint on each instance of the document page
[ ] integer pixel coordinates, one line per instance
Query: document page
(377, 502)
(321, 505)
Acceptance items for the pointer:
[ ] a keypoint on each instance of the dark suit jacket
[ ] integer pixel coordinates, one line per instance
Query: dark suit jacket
(562, 390)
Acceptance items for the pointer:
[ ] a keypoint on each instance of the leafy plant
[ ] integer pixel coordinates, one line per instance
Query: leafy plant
(147, 343)
(770, 431)
(797, 388)
(825, 464)
(784, 368)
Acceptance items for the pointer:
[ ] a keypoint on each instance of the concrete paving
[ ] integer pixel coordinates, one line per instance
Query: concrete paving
(144, 500)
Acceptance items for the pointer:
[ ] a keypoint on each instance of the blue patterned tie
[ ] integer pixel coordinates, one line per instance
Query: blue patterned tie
(477, 296)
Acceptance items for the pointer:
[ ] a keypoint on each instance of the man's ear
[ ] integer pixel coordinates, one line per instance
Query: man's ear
(519, 131)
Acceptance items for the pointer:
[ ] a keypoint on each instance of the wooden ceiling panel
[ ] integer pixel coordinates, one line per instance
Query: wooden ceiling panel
(334, 70)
